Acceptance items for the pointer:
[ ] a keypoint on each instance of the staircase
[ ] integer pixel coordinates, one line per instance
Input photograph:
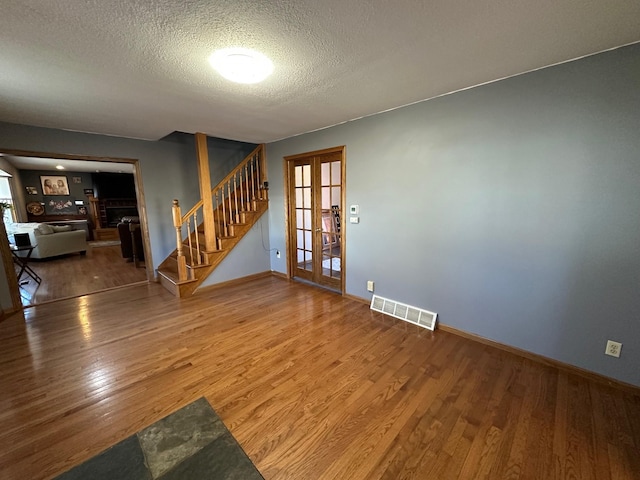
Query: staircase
(213, 227)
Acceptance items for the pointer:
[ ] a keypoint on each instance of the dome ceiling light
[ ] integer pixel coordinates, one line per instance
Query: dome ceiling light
(241, 65)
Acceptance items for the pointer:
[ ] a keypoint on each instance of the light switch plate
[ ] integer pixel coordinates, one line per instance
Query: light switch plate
(354, 219)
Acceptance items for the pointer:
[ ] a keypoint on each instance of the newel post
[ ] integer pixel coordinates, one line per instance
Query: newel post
(205, 192)
(177, 223)
(264, 185)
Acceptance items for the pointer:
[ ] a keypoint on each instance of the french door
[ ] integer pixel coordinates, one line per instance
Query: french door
(316, 202)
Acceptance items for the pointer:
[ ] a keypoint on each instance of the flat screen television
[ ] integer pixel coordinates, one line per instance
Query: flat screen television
(113, 185)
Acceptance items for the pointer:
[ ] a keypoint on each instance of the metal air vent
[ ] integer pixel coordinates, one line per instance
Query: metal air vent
(417, 316)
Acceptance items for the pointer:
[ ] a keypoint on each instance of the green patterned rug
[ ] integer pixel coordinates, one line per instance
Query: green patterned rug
(191, 443)
(103, 243)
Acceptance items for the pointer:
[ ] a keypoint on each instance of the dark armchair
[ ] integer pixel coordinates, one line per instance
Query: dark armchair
(131, 239)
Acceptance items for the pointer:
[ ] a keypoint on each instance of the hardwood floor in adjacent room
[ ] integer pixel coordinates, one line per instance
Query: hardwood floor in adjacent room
(72, 275)
(312, 385)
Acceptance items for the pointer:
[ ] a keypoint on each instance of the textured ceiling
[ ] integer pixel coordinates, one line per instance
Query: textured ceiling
(39, 163)
(139, 68)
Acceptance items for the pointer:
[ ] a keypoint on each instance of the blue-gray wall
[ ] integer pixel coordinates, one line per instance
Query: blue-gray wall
(249, 256)
(511, 209)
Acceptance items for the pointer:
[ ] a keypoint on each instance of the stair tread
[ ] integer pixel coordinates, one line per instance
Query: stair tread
(173, 277)
(202, 265)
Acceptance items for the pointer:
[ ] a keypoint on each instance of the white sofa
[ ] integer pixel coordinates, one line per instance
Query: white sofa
(50, 240)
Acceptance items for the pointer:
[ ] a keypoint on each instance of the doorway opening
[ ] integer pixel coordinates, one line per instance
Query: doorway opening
(103, 266)
(315, 194)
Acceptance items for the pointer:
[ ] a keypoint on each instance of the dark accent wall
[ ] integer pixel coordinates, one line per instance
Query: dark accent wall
(31, 178)
(511, 209)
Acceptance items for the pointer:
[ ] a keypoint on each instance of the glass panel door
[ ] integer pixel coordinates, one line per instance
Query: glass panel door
(330, 243)
(302, 206)
(315, 217)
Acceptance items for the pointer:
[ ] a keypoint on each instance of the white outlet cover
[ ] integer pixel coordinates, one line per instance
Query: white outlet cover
(613, 348)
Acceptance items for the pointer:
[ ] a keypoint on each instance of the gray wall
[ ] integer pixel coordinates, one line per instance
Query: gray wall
(511, 209)
(228, 154)
(250, 256)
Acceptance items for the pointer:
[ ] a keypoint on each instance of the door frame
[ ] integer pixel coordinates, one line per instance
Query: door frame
(14, 289)
(290, 246)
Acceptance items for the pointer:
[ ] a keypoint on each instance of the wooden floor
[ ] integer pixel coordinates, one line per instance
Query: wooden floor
(72, 275)
(312, 385)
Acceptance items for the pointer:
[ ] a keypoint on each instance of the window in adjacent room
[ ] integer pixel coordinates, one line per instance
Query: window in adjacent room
(6, 199)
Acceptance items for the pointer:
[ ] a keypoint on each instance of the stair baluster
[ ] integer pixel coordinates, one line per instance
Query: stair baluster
(231, 224)
(217, 221)
(195, 229)
(235, 197)
(253, 186)
(258, 183)
(224, 214)
(264, 191)
(189, 242)
(246, 176)
(242, 210)
(177, 223)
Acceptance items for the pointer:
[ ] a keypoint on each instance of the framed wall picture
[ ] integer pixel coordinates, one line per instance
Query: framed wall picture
(54, 185)
(32, 190)
(77, 179)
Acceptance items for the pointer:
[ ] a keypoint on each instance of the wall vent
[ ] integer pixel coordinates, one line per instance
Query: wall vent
(417, 316)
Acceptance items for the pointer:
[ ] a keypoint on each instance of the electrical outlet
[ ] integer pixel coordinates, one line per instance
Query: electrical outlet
(613, 348)
(370, 285)
(277, 253)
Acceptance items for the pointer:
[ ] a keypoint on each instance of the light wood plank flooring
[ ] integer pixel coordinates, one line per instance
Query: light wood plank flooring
(312, 385)
(72, 275)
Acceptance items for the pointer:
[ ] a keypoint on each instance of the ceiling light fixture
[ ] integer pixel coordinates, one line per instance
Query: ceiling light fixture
(59, 167)
(241, 65)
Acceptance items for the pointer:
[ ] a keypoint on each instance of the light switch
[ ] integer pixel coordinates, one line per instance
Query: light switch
(354, 219)
(354, 210)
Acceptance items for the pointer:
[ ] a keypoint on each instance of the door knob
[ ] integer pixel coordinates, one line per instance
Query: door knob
(318, 229)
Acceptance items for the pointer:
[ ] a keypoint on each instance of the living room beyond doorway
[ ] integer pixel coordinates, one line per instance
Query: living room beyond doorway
(102, 268)
(99, 191)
